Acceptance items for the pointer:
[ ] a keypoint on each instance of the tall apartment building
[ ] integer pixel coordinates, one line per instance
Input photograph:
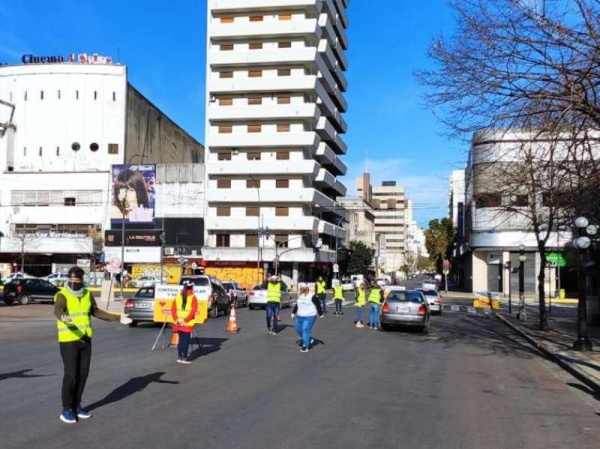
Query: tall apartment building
(275, 98)
(390, 221)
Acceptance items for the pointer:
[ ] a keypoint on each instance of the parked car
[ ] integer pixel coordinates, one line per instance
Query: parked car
(434, 299)
(25, 291)
(58, 279)
(347, 285)
(17, 275)
(257, 298)
(237, 294)
(140, 307)
(146, 281)
(405, 308)
(212, 289)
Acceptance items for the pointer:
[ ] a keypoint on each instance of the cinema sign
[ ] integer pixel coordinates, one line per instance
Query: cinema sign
(81, 58)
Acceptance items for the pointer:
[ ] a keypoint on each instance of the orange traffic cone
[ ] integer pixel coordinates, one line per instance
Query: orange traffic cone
(232, 327)
(174, 339)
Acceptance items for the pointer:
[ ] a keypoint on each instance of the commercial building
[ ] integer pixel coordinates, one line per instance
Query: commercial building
(275, 99)
(65, 123)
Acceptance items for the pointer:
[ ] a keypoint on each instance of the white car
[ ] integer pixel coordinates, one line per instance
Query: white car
(347, 286)
(257, 298)
(434, 299)
(58, 279)
(147, 281)
(17, 275)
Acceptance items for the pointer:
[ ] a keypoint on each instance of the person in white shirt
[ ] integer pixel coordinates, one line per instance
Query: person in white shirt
(305, 313)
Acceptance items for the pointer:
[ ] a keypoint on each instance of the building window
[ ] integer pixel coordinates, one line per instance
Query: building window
(281, 240)
(225, 129)
(40, 151)
(284, 100)
(223, 211)
(281, 211)
(391, 203)
(69, 201)
(254, 100)
(113, 148)
(286, 44)
(283, 155)
(223, 183)
(254, 73)
(284, 72)
(285, 17)
(226, 47)
(222, 240)
(283, 128)
(252, 211)
(256, 18)
(488, 200)
(227, 74)
(251, 241)
(224, 155)
(41, 94)
(254, 128)
(114, 96)
(282, 183)
(255, 46)
(253, 183)
(228, 101)
(520, 201)
(227, 20)
(253, 155)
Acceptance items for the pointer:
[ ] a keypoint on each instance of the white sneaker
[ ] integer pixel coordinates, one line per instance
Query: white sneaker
(185, 361)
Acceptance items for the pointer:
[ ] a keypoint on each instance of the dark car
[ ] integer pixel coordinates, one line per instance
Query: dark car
(25, 291)
(140, 307)
(211, 289)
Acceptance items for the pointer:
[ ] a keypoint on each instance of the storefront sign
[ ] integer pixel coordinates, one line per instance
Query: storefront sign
(133, 237)
(80, 58)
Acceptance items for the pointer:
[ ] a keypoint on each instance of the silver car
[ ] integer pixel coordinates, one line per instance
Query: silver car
(404, 308)
(257, 298)
(237, 294)
(434, 299)
(140, 307)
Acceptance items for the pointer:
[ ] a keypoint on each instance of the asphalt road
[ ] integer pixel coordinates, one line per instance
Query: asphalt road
(471, 383)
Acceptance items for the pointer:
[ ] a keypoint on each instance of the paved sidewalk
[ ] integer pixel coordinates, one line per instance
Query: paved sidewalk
(557, 343)
(529, 299)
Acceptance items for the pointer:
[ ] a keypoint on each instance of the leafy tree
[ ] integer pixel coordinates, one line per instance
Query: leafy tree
(423, 263)
(361, 258)
(438, 240)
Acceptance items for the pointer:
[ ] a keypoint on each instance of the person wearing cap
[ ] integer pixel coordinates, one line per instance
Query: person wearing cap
(275, 288)
(321, 287)
(305, 314)
(183, 311)
(74, 306)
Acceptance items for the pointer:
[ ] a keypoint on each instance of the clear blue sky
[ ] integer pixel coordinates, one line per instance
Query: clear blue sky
(163, 45)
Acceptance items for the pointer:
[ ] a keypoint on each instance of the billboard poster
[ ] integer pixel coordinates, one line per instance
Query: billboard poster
(133, 194)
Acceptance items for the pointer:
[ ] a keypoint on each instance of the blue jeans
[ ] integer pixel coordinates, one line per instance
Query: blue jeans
(373, 314)
(323, 298)
(359, 312)
(338, 305)
(272, 309)
(304, 325)
(183, 345)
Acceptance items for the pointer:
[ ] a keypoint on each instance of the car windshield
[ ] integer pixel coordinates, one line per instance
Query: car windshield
(201, 282)
(404, 297)
(258, 287)
(227, 285)
(429, 292)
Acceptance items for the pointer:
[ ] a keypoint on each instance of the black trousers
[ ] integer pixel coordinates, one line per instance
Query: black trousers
(76, 356)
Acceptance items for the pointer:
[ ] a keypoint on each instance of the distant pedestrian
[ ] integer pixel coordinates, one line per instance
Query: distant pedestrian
(183, 311)
(74, 307)
(321, 289)
(305, 313)
(360, 296)
(275, 288)
(375, 299)
(338, 299)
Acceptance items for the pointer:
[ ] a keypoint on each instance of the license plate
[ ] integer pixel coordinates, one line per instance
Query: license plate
(402, 308)
(144, 305)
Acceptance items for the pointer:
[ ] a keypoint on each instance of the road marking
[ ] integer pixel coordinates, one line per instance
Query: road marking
(471, 309)
(455, 308)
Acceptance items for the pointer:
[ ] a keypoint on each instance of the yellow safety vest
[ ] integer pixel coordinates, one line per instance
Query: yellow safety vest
(375, 296)
(321, 287)
(274, 292)
(338, 292)
(183, 313)
(361, 297)
(80, 312)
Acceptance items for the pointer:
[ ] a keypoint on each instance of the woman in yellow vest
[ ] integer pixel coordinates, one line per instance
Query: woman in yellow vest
(183, 311)
(275, 288)
(74, 307)
(338, 298)
(375, 299)
(360, 297)
(321, 287)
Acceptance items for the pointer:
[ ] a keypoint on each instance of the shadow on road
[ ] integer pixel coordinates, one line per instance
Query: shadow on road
(586, 390)
(130, 387)
(206, 346)
(21, 374)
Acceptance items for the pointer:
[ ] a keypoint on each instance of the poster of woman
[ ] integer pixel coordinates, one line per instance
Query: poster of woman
(133, 193)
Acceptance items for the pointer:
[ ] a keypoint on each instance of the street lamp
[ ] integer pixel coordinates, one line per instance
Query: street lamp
(521, 314)
(582, 243)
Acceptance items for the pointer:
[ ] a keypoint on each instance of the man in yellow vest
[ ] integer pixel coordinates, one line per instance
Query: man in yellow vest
(275, 288)
(321, 288)
(360, 297)
(375, 299)
(74, 307)
(338, 298)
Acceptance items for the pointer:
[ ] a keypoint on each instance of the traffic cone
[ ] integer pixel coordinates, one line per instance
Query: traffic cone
(174, 339)
(232, 327)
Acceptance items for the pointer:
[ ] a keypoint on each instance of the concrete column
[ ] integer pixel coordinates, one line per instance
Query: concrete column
(295, 275)
(505, 273)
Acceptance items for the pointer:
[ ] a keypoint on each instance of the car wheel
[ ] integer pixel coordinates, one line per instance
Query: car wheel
(133, 324)
(24, 299)
(8, 301)
(214, 312)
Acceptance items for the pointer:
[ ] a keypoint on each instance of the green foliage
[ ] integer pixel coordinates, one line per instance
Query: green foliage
(360, 258)
(438, 240)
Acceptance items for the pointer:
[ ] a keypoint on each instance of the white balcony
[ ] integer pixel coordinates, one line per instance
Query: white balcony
(331, 229)
(275, 224)
(259, 30)
(47, 245)
(260, 168)
(233, 6)
(327, 157)
(270, 196)
(303, 83)
(497, 219)
(220, 59)
(340, 188)
(324, 178)
(307, 140)
(301, 255)
(328, 134)
(307, 112)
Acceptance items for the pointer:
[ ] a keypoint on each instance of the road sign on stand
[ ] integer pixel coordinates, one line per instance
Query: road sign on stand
(336, 268)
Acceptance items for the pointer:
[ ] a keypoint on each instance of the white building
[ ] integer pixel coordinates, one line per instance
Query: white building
(390, 222)
(456, 197)
(66, 124)
(275, 98)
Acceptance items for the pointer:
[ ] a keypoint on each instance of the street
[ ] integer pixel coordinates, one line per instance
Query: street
(471, 383)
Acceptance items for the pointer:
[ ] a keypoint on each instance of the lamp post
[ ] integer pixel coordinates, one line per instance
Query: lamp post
(123, 200)
(521, 314)
(582, 243)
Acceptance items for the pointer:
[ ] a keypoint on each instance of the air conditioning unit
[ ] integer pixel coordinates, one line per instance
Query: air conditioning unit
(169, 251)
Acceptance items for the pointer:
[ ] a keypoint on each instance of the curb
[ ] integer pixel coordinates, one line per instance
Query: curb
(569, 367)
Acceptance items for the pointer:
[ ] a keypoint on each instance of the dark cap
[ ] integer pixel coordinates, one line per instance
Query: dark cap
(76, 272)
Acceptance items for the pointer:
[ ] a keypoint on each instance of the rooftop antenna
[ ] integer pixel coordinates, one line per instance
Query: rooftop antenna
(367, 160)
